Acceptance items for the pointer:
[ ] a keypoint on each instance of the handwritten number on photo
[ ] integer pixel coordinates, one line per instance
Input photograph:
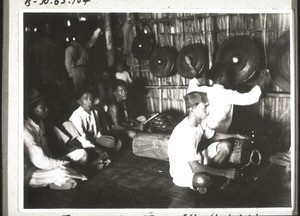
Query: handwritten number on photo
(55, 2)
(27, 3)
(44, 2)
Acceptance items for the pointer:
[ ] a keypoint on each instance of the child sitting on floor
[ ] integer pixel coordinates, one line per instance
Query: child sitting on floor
(86, 120)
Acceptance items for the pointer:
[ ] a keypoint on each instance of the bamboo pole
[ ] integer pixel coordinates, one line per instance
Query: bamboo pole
(160, 95)
(227, 25)
(108, 37)
(264, 26)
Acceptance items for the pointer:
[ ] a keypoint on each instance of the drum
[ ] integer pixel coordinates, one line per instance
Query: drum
(243, 153)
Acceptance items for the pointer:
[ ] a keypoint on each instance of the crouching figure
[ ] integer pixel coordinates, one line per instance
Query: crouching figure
(190, 167)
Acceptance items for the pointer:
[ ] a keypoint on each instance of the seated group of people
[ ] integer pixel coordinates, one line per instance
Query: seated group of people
(58, 146)
(83, 143)
(57, 155)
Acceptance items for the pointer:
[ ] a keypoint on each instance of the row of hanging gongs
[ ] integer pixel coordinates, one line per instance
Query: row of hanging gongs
(242, 52)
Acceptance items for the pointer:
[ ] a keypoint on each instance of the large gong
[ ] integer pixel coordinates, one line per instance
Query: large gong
(279, 62)
(162, 62)
(143, 46)
(243, 54)
(197, 55)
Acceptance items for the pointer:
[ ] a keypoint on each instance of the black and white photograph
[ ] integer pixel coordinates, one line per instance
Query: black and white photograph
(153, 112)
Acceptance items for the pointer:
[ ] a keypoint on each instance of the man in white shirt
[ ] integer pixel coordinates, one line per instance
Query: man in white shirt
(222, 99)
(86, 121)
(188, 167)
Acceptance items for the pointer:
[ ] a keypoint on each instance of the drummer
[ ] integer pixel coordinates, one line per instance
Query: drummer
(222, 98)
(122, 122)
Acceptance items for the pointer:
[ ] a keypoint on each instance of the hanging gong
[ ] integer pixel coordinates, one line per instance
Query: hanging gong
(162, 62)
(243, 55)
(143, 46)
(197, 60)
(279, 62)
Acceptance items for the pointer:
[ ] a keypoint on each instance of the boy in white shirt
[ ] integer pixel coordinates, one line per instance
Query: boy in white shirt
(86, 121)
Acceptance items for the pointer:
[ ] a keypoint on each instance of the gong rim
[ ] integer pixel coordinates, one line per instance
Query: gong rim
(242, 53)
(280, 51)
(199, 60)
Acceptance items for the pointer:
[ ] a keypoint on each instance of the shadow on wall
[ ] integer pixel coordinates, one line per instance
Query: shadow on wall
(136, 93)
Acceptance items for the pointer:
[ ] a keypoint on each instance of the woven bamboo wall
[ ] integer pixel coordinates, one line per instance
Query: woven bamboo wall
(180, 29)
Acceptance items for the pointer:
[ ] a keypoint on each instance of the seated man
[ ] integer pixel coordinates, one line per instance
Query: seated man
(41, 169)
(188, 167)
(122, 124)
(86, 121)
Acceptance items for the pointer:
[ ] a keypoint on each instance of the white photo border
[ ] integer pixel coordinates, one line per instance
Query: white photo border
(13, 80)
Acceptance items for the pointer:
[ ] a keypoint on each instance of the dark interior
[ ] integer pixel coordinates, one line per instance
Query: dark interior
(132, 181)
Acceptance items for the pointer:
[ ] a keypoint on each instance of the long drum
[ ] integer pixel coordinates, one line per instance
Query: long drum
(155, 145)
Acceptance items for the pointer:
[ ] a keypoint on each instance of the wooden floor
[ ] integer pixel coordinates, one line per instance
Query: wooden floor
(137, 182)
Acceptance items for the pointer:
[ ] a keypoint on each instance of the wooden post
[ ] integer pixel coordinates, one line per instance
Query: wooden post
(160, 96)
(108, 37)
(214, 38)
(227, 26)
